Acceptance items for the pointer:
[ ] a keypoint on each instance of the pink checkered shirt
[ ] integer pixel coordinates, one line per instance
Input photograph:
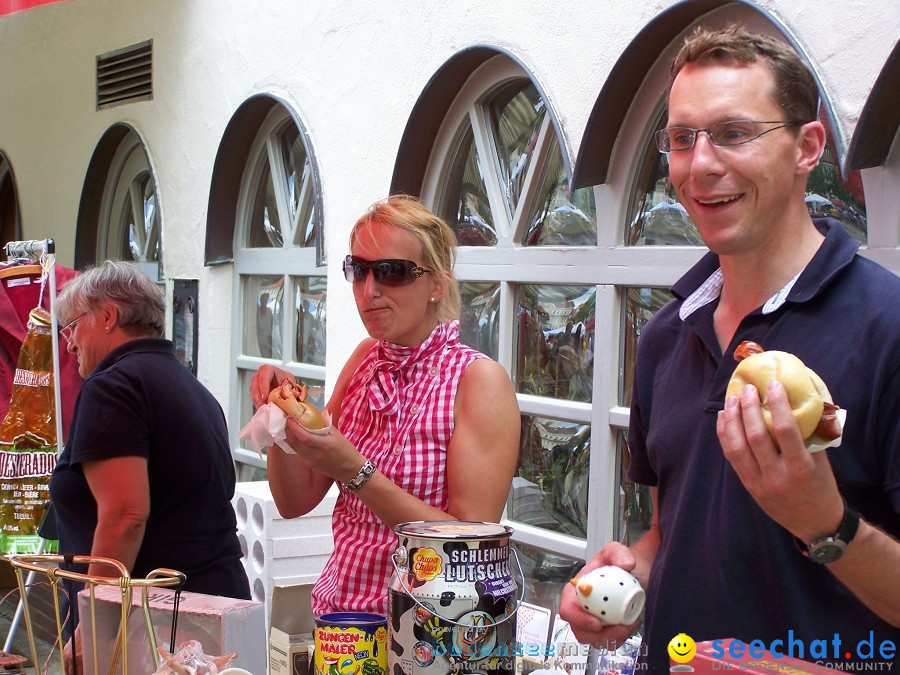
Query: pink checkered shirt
(398, 412)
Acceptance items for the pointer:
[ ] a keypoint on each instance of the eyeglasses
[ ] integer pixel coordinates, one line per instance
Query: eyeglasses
(723, 134)
(66, 331)
(389, 272)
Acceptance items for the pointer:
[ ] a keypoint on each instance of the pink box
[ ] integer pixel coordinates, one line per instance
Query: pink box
(222, 625)
(706, 662)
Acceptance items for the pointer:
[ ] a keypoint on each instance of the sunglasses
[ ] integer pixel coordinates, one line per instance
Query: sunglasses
(388, 272)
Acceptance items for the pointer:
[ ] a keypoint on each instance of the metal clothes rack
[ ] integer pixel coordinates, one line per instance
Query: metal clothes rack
(43, 251)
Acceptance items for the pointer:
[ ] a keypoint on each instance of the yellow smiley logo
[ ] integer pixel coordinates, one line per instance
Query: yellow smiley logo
(682, 648)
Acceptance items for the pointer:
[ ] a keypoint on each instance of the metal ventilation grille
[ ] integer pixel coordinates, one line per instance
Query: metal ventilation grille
(125, 75)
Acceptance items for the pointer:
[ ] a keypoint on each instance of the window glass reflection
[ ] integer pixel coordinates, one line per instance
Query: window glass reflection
(639, 305)
(293, 156)
(264, 228)
(634, 507)
(310, 302)
(479, 321)
(555, 341)
(655, 216)
(545, 574)
(467, 209)
(560, 218)
(264, 304)
(517, 113)
(298, 188)
(139, 222)
(550, 489)
(829, 195)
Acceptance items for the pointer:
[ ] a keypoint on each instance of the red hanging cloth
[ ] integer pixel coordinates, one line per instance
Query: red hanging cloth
(20, 291)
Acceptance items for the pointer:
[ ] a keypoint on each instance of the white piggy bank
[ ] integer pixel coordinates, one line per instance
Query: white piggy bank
(611, 594)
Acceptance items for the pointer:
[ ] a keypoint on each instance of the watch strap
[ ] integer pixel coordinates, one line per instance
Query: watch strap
(366, 471)
(836, 543)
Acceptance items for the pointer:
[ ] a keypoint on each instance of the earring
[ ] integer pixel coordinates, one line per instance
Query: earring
(433, 300)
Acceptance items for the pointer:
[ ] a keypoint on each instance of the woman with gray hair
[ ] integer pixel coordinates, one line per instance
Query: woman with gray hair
(146, 476)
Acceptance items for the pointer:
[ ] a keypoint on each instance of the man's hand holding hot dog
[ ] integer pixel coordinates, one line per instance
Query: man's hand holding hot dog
(795, 487)
(774, 409)
(798, 490)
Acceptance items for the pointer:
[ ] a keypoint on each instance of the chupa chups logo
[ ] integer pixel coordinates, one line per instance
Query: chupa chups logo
(427, 564)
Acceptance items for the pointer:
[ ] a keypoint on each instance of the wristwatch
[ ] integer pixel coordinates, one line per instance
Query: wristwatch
(827, 549)
(362, 477)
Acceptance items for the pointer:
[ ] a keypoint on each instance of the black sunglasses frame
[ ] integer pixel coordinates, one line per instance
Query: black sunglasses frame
(392, 272)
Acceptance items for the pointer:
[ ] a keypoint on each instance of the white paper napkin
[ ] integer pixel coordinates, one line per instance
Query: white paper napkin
(268, 427)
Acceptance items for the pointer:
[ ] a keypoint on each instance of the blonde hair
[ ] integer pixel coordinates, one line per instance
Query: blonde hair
(436, 239)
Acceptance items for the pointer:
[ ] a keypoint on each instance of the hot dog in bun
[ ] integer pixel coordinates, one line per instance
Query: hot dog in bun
(813, 407)
(291, 398)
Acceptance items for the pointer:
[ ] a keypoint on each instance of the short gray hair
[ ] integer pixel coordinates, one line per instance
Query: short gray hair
(139, 301)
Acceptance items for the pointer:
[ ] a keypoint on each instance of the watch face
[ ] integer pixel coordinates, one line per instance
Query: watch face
(826, 551)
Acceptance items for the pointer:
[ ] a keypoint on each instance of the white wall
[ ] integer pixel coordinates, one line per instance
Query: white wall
(353, 71)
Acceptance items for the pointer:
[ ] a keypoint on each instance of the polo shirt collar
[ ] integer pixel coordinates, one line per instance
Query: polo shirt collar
(703, 283)
(136, 346)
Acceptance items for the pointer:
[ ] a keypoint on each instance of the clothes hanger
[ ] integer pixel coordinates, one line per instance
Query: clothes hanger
(20, 270)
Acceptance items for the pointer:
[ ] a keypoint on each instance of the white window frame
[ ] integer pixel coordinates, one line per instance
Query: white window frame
(128, 164)
(289, 261)
(610, 266)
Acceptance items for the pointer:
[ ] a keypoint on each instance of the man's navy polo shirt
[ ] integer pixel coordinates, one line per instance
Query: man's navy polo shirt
(724, 568)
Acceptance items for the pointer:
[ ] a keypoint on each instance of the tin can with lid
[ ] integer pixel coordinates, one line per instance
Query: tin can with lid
(452, 599)
(350, 643)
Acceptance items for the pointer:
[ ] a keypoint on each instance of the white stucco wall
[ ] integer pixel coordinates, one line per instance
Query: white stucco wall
(352, 70)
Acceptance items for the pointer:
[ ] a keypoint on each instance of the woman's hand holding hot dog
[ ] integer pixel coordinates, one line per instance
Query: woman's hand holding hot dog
(330, 454)
(264, 380)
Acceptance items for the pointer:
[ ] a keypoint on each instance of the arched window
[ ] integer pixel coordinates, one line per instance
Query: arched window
(130, 222)
(507, 179)
(500, 175)
(280, 277)
(119, 216)
(10, 224)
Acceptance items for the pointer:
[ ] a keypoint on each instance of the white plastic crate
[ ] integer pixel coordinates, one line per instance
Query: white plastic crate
(279, 551)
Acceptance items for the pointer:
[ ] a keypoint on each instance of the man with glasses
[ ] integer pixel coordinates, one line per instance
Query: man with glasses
(754, 537)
